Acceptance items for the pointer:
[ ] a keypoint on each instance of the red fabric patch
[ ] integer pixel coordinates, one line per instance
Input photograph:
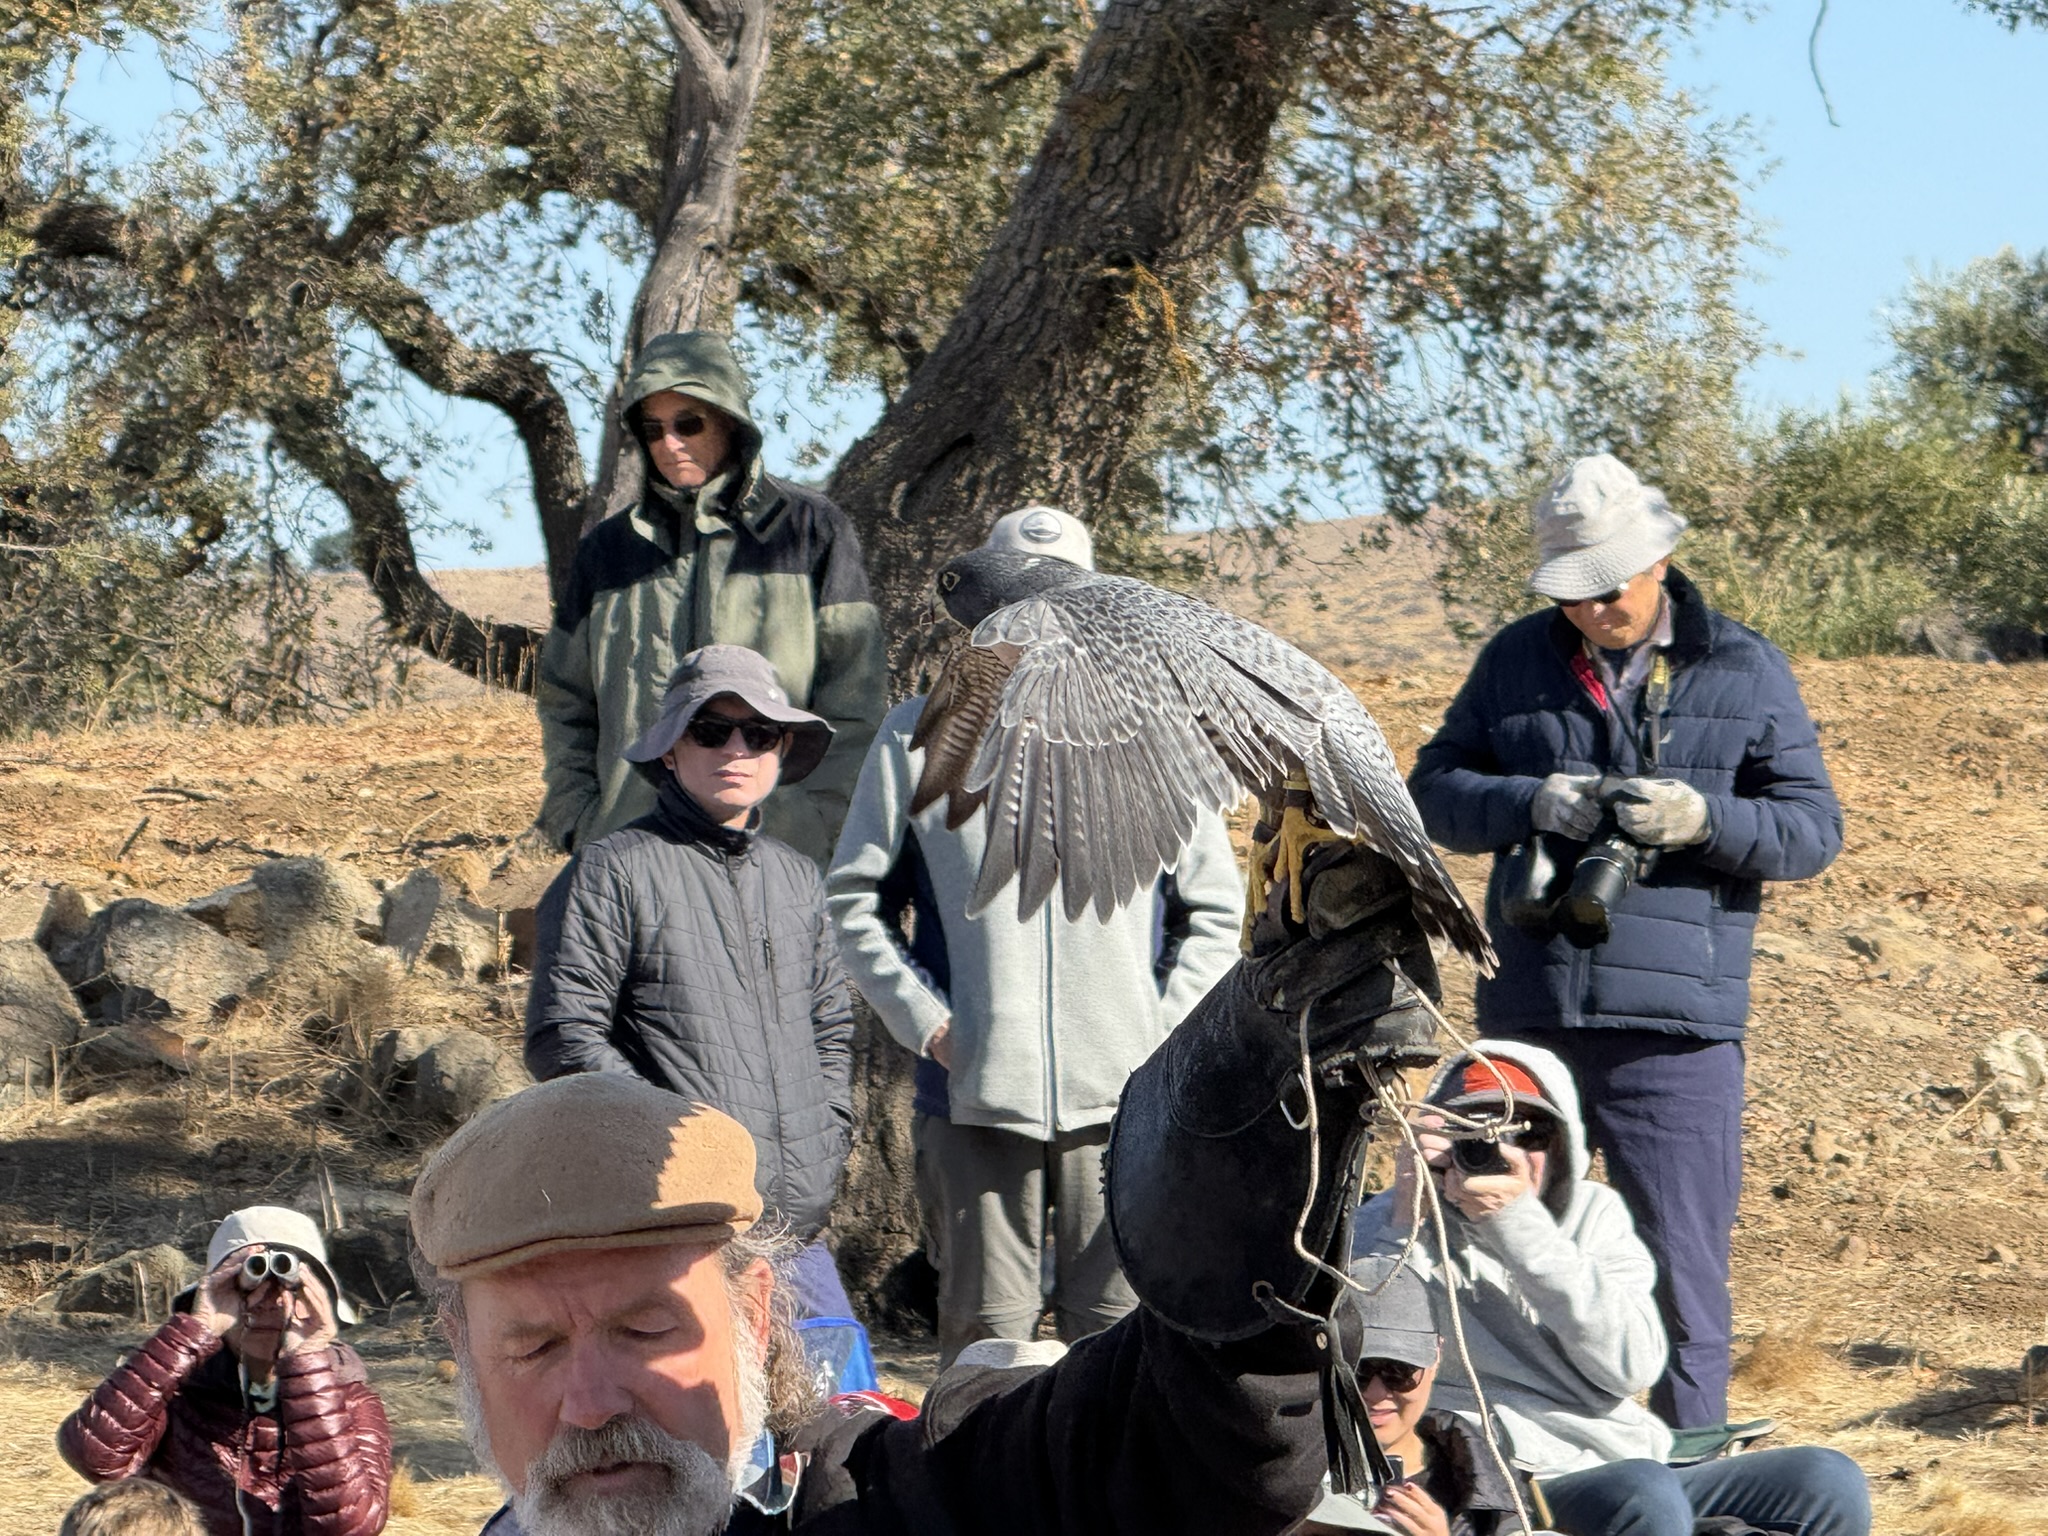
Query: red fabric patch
(1484, 1077)
(1589, 678)
(857, 1402)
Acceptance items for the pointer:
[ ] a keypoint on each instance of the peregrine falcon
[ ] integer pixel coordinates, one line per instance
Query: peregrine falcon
(1094, 716)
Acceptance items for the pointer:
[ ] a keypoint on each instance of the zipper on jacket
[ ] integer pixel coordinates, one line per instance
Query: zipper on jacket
(764, 1012)
(1052, 1048)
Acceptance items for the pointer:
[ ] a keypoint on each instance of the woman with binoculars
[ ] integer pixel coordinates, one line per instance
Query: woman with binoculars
(243, 1401)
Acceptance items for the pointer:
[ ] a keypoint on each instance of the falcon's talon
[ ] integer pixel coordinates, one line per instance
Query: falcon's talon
(1285, 857)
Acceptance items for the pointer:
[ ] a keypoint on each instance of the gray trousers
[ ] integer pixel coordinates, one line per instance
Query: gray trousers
(985, 1194)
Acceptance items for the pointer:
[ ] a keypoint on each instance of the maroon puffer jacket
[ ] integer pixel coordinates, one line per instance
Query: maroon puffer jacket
(174, 1411)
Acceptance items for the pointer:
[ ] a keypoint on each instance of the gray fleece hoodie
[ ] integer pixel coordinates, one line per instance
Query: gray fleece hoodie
(1558, 1311)
(1048, 1017)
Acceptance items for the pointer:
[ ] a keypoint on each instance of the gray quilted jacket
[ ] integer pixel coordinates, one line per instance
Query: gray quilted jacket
(699, 958)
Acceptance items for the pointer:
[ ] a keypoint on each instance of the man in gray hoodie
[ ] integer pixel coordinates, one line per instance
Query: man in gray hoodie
(1025, 1031)
(1556, 1294)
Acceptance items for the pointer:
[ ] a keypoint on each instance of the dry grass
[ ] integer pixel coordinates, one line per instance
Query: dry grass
(1781, 1362)
(1951, 1508)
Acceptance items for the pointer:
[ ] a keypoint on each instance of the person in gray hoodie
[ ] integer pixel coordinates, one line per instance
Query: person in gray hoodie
(1556, 1293)
(1025, 1031)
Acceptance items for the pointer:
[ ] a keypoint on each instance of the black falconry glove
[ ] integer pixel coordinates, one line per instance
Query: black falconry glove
(1208, 1166)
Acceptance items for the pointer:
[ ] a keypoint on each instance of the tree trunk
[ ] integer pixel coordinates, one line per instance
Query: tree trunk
(721, 55)
(875, 1220)
(1069, 325)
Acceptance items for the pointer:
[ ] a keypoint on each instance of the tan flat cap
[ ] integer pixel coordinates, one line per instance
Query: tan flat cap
(601, 1160)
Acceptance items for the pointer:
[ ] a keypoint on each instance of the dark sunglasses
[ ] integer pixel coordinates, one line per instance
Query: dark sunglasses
(1611, 595)
(714, 731)
(1395, 1375)
(652, 431)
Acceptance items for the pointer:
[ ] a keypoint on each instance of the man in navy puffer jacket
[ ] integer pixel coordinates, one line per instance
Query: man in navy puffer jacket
(1707, 753)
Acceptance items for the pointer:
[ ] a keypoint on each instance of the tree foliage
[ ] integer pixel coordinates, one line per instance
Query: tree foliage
(1452, 233)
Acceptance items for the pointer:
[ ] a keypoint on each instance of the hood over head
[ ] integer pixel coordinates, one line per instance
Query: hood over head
(699, 364)
(1550, 1074)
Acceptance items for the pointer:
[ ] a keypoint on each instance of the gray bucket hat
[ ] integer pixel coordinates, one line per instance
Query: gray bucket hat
(748, 676)
(1597, 527)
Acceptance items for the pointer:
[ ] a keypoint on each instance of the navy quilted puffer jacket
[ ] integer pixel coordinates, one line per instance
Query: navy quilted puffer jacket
(1736, 730)
(700, 959)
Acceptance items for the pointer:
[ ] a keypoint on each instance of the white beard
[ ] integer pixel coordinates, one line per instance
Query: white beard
(697, 1502)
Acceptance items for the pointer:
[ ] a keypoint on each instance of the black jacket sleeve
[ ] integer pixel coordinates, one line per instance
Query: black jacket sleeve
(583, 942)
(1138, 1431)
(832, 1015)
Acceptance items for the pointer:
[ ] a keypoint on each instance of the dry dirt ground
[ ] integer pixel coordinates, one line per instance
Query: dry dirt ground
(1892, 1261)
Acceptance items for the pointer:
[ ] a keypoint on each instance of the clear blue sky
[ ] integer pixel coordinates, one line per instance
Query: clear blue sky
(1938, 158)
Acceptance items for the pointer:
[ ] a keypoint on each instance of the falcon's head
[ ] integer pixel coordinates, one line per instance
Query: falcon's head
(976, 584)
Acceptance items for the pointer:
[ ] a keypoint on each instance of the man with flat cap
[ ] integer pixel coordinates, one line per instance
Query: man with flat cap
(1631, 707)
(691, 949)
(596, 1249)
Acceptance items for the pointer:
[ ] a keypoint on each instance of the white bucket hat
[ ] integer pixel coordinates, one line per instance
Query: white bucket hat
(271, 1226)
(1597, 527)
(1040, 530)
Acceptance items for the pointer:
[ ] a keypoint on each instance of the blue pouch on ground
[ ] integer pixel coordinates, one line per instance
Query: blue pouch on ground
(838, 1349)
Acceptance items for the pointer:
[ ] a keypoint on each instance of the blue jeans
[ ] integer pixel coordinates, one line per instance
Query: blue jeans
(1666, 1111)
(1802, 1490)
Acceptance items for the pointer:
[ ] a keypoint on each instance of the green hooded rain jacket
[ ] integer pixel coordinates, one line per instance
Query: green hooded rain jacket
(747, 559)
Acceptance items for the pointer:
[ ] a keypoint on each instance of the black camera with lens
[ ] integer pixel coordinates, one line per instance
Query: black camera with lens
(1557, 887)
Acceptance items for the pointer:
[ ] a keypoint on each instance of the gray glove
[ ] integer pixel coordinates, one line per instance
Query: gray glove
(1564, 804)
(1662, 813)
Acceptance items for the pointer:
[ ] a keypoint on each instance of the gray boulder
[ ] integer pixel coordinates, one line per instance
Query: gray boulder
(289, 906)
(112, 1287)
(38, 1016)
(140, 963)
(441, 1077)
(430, 921)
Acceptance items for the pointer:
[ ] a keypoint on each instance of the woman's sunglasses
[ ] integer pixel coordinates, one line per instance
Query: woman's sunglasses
(1395, 1375)
(714, 731)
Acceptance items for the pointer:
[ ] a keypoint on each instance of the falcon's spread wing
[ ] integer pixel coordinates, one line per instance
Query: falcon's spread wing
(1094, 721)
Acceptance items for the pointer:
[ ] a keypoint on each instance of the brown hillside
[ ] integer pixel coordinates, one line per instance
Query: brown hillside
(1893, 1257)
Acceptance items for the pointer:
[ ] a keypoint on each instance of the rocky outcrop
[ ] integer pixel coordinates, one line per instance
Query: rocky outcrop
(140, 963)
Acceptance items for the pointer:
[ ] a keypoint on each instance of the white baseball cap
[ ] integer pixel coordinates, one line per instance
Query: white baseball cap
(273, 1226)
(1037, 530)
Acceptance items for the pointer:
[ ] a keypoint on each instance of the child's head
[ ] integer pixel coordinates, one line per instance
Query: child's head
(134, 1506)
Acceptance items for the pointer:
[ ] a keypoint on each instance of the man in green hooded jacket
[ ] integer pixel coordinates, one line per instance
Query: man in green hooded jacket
(717, 552)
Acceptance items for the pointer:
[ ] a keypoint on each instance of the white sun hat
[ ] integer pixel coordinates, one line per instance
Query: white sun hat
(1598, 526)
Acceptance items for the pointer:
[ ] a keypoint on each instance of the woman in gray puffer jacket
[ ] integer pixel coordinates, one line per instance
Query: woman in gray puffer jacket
(690, 950)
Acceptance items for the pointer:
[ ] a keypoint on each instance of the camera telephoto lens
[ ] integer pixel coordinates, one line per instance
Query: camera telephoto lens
(1604, 873)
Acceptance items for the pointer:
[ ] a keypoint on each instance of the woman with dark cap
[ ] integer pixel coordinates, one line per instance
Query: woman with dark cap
(692, 950)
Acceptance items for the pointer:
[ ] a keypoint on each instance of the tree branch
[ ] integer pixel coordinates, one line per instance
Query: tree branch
(314, 435)
(516, 383)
